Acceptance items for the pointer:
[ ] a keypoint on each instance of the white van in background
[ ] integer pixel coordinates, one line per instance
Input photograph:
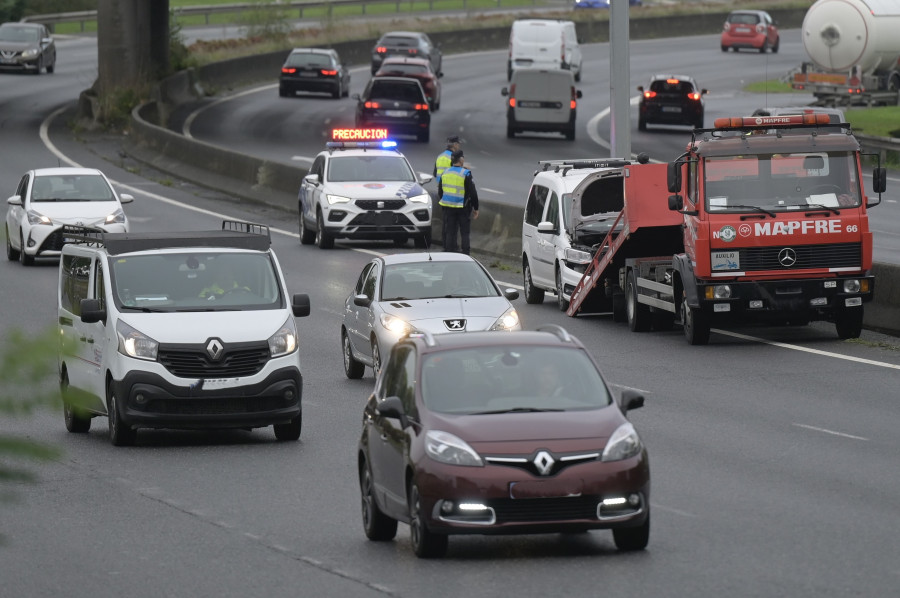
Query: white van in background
(541, 100)
(543, 44)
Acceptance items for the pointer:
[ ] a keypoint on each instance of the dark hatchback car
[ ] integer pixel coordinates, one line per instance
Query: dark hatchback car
(486, 433)
(397, 104)
(26, 47)
(314, 70)
(406, 43)
(415, 68)
(671, 100)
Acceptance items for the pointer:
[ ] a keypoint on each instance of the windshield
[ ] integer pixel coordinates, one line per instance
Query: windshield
(71, 187)
(510, 378)
(344, 169)
(191, 281)
(28, 35)
(777, 182)
(428, 280)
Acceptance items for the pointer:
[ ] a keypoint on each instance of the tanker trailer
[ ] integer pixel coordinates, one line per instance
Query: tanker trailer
(854, 47)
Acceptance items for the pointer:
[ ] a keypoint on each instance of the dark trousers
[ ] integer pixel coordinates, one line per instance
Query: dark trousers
(456, 221)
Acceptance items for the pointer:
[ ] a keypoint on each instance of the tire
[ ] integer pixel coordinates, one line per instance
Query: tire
(423, 136)
(376, 357)
(632, 538)
(401, 241)
(307, 236)
(378, 526)
(425, 544)
(848, 323)
(764, 47)
(695, 323)
(619, 307)
(24, 258)
(533, 295)
(570, 134)
(120, 434)
(777, 45)
(289, 431)
(352, 368)
(510, 131)
(77, 421)
(323, 239)
(338, 91)
(561, 303)
(638, 314)
(642, 124)
(282, 92)
(423, 241)
(52, 68)
(11, 254)
(724, 48)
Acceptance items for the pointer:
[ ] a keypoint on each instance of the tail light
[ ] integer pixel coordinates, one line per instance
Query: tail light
(413, 51)
(421, 106)
(574, 97)
(328, 73)
(512, 95)
(372, 105)
(694, 96)
(649, 94)
(760, 28)
(381, 49)
(288, 70)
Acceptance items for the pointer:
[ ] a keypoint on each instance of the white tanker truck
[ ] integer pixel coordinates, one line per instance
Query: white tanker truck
(854, 47)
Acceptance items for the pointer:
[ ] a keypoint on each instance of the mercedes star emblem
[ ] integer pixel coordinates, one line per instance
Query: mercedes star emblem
(787, 257)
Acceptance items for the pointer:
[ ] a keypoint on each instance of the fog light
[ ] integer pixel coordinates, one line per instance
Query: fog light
(289, 395)
(818, 301)
(140, 398)
(756, 304)
(853, 301)
(446, 506)
(722, 291)
(851, 286)
(634, 500)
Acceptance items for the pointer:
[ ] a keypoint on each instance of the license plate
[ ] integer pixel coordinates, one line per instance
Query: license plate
(383, 218)
(742, 30)
(395, 113)
(671, 109)
(217, 383)
(7, 60)
(309, 74)
(529, 104)
(544, 489)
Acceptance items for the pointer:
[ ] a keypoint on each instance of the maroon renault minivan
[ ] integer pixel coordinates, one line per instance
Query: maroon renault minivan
(486, 433)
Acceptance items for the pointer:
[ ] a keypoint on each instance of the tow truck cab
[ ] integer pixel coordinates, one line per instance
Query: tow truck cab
(775, 226)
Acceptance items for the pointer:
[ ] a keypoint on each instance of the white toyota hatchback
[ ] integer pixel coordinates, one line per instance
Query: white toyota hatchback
(48, 198)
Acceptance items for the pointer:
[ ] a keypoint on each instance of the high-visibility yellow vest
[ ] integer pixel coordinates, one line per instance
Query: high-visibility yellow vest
(453, 183)
(442, 163)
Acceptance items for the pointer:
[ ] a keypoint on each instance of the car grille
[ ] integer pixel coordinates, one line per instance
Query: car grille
(808, 256)
(380, 219)
(194, 362)
(511, 510)
(385, 204)
(231, 405)
(54, 242)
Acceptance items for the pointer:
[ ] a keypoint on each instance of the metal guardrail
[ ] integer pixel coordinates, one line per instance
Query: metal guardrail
(301, 8)
(879, 145)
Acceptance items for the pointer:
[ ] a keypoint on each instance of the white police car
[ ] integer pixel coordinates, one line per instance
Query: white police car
(362, 187)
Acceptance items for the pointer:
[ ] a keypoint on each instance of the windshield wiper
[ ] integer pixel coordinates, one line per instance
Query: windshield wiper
(515, 410)
(757, 208)
(145, 309)
(818, 206)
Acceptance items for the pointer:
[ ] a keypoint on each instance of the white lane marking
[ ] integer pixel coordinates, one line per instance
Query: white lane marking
(592, 126)
(832, 432)
(493, 191)
(186, 127)
(302, 158)
(808, 350)
(671, 510)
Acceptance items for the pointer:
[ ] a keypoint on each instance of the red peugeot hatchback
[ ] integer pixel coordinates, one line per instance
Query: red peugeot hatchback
(753, 29)
(486, 433)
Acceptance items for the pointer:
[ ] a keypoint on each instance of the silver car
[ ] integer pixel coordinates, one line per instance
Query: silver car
(27, 47)
(409, 292)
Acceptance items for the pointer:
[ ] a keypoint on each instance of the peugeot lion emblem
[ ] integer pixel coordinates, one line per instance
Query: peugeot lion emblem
(544, 462)
(215, 348)
(455, 324)
(787, 257)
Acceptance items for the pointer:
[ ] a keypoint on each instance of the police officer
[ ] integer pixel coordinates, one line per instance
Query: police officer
(459, 201)
(443, 160)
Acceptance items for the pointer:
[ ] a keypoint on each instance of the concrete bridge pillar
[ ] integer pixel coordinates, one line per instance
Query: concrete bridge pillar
(132, 43)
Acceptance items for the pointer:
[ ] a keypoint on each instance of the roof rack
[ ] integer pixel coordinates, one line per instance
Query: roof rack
(559, 331)
(82, 234)
(565, 165)
(234, 234)
(251, 228)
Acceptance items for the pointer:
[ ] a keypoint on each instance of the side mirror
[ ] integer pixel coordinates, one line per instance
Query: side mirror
(392, 407)
(300, 305)
(879, 180)
(504, 91)
(14, 200)
(511, 294)
(355, 97)
(424, 178)
(704, 91)
(362, 301)
(676, 203)
(673, 177)
(631, 399)
(440, 74)
(312, 179)
(91, 311)
(640, 88)
(547, 228)
(578, 93)
(126, 198)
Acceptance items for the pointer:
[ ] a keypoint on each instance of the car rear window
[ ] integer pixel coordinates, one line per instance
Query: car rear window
(664, 86)
(309, 60)
(404, 69)
(743, 19)
(395, 90)
(399, 40)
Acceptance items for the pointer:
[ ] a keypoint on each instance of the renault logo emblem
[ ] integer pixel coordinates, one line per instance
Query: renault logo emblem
(787, 257)
(455, 324)
(215, 348)
(544, 462)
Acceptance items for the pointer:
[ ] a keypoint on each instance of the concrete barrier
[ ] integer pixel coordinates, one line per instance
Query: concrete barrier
(496, 233)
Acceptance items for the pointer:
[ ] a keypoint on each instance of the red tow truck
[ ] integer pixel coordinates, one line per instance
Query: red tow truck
(767, 222)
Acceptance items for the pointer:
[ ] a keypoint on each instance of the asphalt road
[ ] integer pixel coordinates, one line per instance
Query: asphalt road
(773, 451)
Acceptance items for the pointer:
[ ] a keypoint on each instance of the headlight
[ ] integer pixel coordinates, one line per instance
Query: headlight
(395, 325)
(135, 343)
(424, 198)
(117, 217)
(284, 341)
(851, 286)
(333, 199)
(37, 218)
(722, 291)
(623, 443)
(30, 53)
(576, 256)
(508, 321)
(444, 447)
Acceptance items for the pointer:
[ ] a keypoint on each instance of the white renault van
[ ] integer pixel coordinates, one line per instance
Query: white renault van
(184, 330)
(543, 44)
(541, 100)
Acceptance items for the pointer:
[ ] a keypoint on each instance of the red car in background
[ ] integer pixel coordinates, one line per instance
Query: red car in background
(416, 68)
(753, 29)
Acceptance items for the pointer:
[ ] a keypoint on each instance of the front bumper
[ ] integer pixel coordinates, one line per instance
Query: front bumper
(47, 240)
(350, 221)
